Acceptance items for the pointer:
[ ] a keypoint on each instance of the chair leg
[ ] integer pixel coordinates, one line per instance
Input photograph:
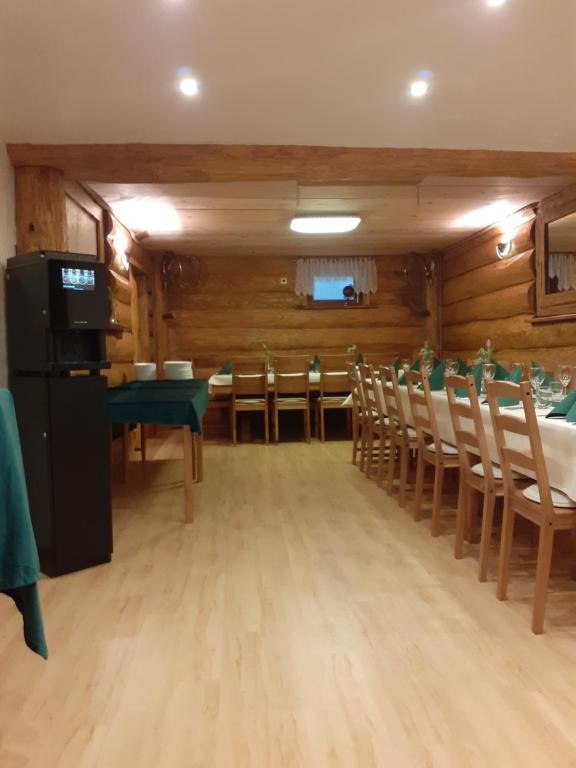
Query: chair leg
(369, 453)
(322, 426)
(419, 487)
(276, 425)
(234, 428)
(545, 547)
(505, 551)
(355, 438)
(486, 535)
(404, 461)
(307, 423)
(266, 427)
(437, 500)
(362, 447)
(392, 463)
(380, 472)
(464, 491)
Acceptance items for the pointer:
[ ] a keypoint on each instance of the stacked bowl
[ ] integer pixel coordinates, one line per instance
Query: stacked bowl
(145, 371)
(178, 369)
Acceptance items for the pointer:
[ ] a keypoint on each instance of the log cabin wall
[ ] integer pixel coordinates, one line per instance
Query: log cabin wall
(484, 297)
(240, 304)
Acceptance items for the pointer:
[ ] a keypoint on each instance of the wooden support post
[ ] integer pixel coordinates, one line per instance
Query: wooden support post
(40, 210)
(188, 437)
(159, 324)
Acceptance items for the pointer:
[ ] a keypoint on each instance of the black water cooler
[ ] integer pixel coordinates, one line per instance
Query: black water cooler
(57, 314)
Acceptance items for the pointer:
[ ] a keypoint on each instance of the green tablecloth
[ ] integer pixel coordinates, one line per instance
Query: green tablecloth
(159, 402)
(19, 565)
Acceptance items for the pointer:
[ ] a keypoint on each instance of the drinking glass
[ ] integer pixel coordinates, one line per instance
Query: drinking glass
(536, 380)
(451, 367)
(488, 373)
(522, 367)
(565, 377)
(556, 392)
(544, 397)
(405, 365)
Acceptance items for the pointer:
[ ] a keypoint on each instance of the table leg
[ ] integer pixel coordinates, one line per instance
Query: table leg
(188, 439)
(198, 458)
(143, 441)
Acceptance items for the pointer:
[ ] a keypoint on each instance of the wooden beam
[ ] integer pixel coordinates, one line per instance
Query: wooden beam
(134, 163)
(40, 210)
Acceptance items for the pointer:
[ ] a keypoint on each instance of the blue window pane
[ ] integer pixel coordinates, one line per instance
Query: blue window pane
(330, 289)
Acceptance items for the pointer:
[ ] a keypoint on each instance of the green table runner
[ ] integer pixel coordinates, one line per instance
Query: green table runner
(159, 402)
(19, 565)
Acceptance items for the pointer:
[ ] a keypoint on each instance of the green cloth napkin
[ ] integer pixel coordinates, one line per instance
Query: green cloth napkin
(414, 367)
(19, 565)
(226, 368)
(515, 377)
(436, 378)
(565, 409)
(396, 364)
(500, 375)
(315, 364)
(360, 359)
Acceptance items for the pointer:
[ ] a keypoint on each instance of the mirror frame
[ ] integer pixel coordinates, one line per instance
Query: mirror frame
(561, 305)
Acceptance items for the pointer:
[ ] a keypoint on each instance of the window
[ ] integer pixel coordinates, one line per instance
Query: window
(332, 289)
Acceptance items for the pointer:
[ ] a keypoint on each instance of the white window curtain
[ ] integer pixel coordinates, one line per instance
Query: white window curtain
(563, 266)
(363, 271)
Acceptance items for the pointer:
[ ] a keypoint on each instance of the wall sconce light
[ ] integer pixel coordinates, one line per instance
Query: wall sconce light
(504, 249)
(120, 245)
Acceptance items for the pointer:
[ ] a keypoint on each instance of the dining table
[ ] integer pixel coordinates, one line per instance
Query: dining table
(220, 384)
(166, 402)
(558, 436)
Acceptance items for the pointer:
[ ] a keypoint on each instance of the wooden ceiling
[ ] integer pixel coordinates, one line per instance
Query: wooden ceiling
(253, 217)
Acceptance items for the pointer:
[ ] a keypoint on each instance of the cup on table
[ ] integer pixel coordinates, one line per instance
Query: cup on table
(556, 392)
(488, 374)
(564, 374)
(522, 367)
(544, 396)
(536, 380)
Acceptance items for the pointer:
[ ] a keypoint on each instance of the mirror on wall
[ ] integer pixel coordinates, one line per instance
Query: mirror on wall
(560, 257)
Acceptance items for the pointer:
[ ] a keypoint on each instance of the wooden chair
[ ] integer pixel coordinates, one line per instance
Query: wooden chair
(431, 449)
(292, 389)
(482, 477)
(249, 392)
(403, 438)
(358, 414)
(334, 387)
(376, 422)
(550, 510)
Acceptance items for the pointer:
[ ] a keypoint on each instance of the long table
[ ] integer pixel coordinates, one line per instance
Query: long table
(558, 438)
(179, 403)
(220, 384)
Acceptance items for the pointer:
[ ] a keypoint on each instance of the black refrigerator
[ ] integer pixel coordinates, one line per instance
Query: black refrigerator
(57, 316)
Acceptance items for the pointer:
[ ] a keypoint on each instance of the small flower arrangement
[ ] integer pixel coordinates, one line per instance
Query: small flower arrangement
(426, 355)
(351, 349)
(486, 352)
(267, 355)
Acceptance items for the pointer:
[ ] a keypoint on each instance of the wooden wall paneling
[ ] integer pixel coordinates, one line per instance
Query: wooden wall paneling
(82, 229)
(508, 302)
(492, 277)
(40, 210)
(160, 331)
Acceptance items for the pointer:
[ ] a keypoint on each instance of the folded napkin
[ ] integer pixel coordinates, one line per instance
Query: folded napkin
(500, 375)
(315, 364)
(515, 377)
(436, 378)
(396, 364)
(226, 369)
(565, 409)
(360, 359)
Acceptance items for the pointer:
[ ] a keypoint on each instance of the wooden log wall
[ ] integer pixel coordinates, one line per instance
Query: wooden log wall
(484, 297)
(241, 304)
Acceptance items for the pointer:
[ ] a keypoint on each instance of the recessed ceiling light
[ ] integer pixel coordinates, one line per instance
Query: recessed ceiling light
(485, 216)
(189, 86)
(495, 3)
(419, 88)
(324, 225)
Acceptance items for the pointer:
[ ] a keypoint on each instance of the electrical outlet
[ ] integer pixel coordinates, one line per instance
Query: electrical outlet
(283, 281)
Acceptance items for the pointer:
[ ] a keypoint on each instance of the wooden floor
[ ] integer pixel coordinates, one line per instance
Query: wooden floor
(303, 620)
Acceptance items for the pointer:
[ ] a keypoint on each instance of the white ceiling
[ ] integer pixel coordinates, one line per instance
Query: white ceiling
(324, 72)
(253, 217)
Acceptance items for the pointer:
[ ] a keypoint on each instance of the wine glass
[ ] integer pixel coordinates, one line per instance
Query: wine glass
(544, 396)
(451, 367)
(556, 392)
(488, 374)
(565, 377)
(536, 380)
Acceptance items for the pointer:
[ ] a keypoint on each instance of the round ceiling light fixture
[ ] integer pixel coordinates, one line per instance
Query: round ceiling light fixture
(419, 88)
(324, 225)
(189, 86)
(495, 3)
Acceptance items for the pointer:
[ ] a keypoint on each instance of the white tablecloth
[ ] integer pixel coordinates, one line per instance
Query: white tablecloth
(225, 379)
(558, 439)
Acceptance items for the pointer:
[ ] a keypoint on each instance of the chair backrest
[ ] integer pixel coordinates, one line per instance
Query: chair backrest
(423, 414)
(471, 435)
(249, 377)
(291, 375)
(372, 390)
(334, 374)
(393, 401)
(518, 439)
